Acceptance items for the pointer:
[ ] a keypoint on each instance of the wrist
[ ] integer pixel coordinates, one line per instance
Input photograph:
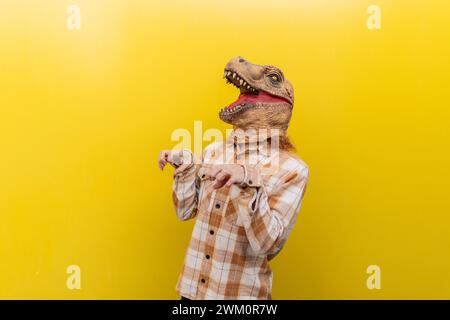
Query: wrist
(252, 177)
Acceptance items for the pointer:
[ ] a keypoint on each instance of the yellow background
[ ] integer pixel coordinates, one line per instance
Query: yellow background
(85, 112)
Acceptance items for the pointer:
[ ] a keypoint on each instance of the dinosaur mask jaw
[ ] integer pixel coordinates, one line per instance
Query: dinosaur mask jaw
(248, 101)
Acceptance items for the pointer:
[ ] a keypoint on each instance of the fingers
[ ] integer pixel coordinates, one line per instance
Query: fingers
(233, 179)
(221, 179)
(211, 172)
(216, 174)
(224, 175)
(162, 159)
(170, 156)
(237, 176)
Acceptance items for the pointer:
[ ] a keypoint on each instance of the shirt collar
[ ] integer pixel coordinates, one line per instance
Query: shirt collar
(252, 140)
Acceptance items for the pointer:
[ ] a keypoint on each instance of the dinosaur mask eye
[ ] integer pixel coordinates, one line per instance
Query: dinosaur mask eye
(274, 78)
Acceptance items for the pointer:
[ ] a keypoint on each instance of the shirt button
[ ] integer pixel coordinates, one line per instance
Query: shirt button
(203, 176)
(250, 181)
(218, 205)
(207, 256)
(211, 232)
(203, 280)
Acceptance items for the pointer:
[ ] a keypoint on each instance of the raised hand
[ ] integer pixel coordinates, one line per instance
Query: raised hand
(224, 174)
(179, 159)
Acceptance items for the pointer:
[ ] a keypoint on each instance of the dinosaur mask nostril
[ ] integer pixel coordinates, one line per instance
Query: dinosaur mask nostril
(241, 60)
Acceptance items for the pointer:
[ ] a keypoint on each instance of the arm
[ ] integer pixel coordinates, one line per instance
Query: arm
(185, 189)
(185, 193)
(268, 220)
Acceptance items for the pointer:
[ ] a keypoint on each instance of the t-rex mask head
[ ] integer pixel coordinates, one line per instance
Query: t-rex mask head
(266, 96)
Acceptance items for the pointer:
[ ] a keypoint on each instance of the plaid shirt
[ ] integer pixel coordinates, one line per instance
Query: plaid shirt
(239, 228)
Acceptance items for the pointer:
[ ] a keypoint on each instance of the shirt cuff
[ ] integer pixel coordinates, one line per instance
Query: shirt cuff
(252, 177)
(188, 157)
(186, 173)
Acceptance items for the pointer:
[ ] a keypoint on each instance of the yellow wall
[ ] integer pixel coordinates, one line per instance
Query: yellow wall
(85, 112)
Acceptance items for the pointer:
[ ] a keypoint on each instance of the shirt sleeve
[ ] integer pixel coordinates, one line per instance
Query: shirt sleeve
(185, 192)
(268, 219)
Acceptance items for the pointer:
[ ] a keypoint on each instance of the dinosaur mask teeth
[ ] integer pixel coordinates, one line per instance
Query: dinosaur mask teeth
(260, 98)
(239, 82)
(233, 109)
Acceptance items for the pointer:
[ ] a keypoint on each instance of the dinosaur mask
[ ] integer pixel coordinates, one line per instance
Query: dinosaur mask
(266, 97)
